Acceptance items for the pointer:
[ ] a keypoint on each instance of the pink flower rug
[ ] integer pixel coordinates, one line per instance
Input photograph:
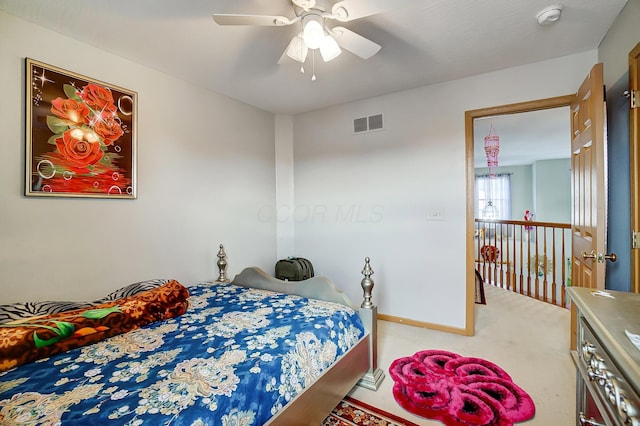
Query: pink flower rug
(458, 391)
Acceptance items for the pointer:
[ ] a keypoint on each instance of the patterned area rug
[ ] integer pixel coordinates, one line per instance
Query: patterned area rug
(351, 412)
(458, 391)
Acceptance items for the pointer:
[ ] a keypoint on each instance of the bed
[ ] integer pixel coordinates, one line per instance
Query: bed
(252, 351)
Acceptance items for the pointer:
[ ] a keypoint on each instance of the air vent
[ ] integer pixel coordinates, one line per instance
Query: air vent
(375, 122)
(360, 125)
(368, 124)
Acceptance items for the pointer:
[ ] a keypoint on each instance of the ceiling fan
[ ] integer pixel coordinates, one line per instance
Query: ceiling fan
(316, 33)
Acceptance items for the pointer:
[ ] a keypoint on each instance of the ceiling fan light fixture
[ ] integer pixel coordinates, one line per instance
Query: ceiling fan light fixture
(313, 30)
(340, 13)
(329, 49)
(297, 49)
(305, 4)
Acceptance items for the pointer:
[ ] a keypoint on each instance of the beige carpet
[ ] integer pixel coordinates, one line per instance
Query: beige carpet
(527, 338)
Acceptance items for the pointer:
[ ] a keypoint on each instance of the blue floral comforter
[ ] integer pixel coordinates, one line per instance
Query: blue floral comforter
(235, 358)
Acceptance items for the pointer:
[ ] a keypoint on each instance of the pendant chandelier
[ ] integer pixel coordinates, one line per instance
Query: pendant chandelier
(491, 149)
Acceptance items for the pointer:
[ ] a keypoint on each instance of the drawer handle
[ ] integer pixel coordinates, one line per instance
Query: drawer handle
(584, 421)
(588, 422)
(588, 350)
(626, 409)
(597, 371)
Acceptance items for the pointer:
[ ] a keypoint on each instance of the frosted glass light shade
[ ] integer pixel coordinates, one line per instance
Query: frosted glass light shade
(297, 49)
(313, 31)
(329, 49)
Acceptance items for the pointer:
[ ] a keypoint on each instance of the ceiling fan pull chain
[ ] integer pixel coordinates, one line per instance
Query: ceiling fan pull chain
(313, 65)
(302, 55)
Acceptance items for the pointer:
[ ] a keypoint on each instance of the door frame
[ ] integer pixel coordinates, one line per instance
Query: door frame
(469, 117)
(634, 164)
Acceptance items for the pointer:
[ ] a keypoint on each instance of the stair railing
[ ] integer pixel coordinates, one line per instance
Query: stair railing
(526, 257)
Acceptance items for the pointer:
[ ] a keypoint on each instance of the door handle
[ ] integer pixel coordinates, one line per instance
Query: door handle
(599, 257)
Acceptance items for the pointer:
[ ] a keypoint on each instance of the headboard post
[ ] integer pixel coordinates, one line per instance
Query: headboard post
(369, 315)
(222, 266)
(367, 284)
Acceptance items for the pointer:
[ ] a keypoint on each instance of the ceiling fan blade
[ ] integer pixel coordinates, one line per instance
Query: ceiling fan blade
(348, 10)
(355, 43)
(261, 20)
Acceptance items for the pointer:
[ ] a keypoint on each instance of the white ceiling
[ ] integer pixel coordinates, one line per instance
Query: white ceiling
(423, 42)
(525, 137)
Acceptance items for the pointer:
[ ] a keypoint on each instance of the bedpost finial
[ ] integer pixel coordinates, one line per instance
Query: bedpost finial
(367, 284)
(222, 266)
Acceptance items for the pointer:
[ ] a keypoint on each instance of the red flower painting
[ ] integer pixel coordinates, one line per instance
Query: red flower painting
(88, 145)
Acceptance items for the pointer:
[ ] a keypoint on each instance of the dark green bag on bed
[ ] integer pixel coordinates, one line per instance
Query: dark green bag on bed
(294, 269)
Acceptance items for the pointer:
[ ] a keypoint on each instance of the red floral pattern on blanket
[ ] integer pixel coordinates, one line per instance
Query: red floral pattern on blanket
(31, 339)
(459, 391)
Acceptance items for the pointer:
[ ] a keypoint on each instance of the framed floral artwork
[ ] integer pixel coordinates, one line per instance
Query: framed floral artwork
(80, 136)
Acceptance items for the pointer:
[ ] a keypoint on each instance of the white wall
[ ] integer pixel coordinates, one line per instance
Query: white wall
(621, 38)
(552, 187)
(369, 194)
(203, 177)
(284, 202)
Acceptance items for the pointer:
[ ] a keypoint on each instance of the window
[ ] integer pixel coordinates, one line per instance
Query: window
(493, 196)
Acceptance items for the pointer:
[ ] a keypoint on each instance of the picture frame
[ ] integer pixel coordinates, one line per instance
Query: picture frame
(80, 135)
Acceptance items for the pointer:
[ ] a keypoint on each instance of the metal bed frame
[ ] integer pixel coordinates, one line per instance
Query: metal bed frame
(359, 366)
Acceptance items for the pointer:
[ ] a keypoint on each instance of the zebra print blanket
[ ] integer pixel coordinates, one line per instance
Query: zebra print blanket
(18, 311)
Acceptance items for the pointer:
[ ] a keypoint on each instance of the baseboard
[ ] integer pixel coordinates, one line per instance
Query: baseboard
(421, 324)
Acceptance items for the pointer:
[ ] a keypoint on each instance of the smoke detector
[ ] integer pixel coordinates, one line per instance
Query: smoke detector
(549, 15)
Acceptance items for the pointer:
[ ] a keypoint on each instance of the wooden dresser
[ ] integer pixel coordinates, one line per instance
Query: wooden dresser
(607, 362)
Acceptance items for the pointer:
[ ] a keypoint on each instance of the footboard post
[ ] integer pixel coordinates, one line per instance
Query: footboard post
(222, 266)
(369, 315)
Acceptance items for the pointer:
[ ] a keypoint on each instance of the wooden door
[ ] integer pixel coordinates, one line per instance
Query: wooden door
(589, 174)
(634, 89)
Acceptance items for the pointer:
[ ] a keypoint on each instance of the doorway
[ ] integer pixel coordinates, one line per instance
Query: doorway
(470, 117)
